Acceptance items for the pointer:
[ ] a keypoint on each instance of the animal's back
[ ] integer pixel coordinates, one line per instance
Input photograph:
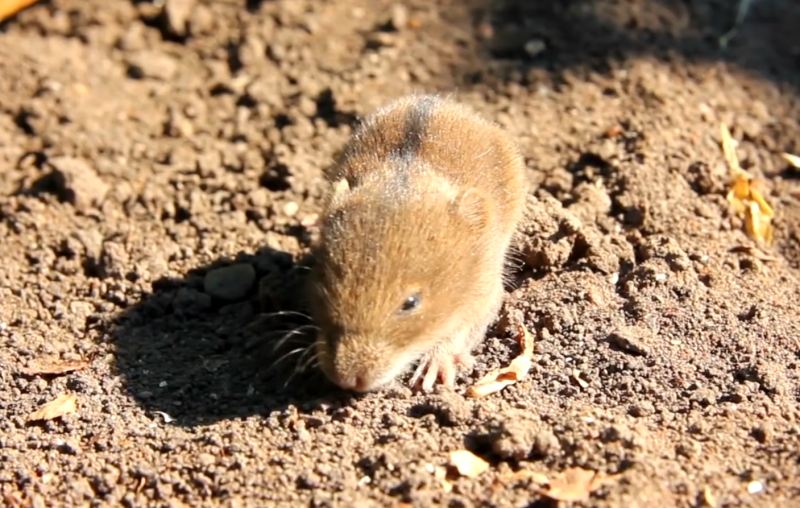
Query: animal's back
(443, 137)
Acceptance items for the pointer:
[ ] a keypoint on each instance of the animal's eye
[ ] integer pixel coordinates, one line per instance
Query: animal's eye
(411, 303)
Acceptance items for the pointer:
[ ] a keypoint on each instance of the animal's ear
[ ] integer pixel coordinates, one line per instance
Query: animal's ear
(473, 207)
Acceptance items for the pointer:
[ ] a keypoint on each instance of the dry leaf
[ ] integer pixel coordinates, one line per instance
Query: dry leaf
(574, 484)
(794, 160)
(709, 499)
(10, 8)
(746, 195)
(758, 224)
(467, 463)
(729, 150)
(506, 376)
(756, 189)
(65, 403)
(525, 474)
(53, 366)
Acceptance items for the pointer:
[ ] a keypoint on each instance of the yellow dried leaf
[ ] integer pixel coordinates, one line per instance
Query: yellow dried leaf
(741, 187)
(745, 195)
(65, 403)
(738, 205)
(794, 160)
(9, 8)
(756, 196)
(574, 484)
(729, 150)
(515, 371)
(467, 463)
(709, 499)
(53, 366)
(757, 225)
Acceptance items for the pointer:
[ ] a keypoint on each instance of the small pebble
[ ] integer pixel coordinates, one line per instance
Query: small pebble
(230, 283)
(77, 182)
(206, 459)
(290, 208)
(535, 47)
(399, 16)
(177, 13)
(153, 65)
(755, 487)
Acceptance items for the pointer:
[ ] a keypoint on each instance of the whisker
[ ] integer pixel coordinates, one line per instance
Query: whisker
(312, 358)
(286, 356)
(286, 313)
(259, 339)
(273, 333)
(302, 364)
(280, 342)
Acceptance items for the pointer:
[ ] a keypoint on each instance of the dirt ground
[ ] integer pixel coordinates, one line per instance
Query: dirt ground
(160, 168)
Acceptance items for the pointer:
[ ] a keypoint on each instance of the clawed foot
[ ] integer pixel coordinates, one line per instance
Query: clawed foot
(441, 366)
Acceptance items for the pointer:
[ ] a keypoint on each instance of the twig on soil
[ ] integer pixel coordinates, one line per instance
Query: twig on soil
(9, 8)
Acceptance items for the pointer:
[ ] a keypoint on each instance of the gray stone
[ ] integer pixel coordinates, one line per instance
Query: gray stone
(230, 283)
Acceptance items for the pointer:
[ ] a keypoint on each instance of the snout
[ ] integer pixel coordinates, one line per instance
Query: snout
(351, 377)
(352, 368)
(357, 382)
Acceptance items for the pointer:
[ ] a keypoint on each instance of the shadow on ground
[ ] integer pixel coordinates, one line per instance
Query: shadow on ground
(199, 358)
(591, 34)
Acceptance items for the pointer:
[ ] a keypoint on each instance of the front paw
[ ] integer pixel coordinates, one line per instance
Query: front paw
(439, 366)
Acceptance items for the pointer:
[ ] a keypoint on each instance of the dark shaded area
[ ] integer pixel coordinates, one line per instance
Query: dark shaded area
(591, 36)
(201, 359)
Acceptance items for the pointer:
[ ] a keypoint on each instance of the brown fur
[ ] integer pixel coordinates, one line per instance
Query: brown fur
(425, 198)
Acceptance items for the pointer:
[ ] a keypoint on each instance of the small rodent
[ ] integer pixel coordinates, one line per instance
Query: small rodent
(414, 235)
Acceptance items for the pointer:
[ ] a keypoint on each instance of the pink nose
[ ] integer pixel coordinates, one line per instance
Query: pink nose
(358, 383)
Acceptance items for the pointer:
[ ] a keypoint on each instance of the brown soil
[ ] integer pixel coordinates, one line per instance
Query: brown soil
(140, 151)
